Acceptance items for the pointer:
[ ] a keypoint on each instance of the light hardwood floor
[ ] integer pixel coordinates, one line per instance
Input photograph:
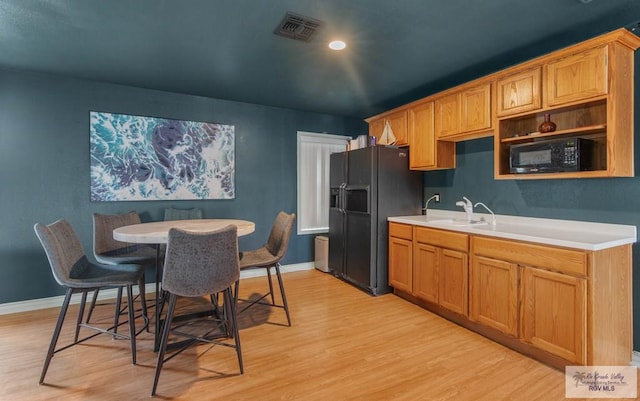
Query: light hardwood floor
(343, 345)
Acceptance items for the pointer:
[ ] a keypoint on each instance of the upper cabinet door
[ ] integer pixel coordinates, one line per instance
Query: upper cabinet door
(448, 115)
(421, 136)
(376, 127)
(476, 108)
(519, 92)
(577, 77)
(398, 122)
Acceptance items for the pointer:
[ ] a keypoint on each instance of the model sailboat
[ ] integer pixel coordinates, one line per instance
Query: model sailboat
(387, 137)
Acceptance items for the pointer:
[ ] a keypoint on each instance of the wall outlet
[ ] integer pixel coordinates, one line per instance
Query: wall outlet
(436, 198)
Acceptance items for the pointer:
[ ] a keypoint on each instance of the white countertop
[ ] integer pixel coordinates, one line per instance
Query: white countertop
(566, 233)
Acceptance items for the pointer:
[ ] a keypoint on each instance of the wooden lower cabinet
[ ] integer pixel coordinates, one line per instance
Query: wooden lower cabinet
(401, 257)
(441, 269)
(554, 313)
(400, 262)
(559, 305)
(453, 279)
(441, 276)
(425, 272)
(434, 272)
(494, 294)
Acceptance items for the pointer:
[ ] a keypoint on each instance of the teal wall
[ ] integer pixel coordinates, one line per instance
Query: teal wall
(44, 166)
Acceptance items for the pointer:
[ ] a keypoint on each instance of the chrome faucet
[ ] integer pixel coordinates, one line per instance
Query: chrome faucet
(426, 205)
(493, 220)
(467, 206)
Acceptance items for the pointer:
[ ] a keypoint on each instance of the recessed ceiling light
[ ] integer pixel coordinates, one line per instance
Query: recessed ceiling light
(337, 45)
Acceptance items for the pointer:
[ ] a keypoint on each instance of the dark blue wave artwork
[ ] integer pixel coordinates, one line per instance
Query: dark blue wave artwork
(145, 158)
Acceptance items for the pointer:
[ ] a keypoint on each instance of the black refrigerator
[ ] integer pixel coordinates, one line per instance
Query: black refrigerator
(367, 186)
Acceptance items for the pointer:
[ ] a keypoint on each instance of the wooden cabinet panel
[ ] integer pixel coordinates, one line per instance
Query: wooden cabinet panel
(476, 108)
(563, 260)
(577, 77)
(442, 238)
(400, 264)
(453, 281)
(493, 293)
(443, 268)
(398, 122)
(427, 153)
(425, 272)
(448, 115)
(464, 112)
(399, 230)
(422, 140)
(519, 92)
(554, 313)
(376, 127)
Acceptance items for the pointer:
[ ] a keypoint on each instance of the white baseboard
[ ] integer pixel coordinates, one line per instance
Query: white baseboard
(51, 302)
(635, 359)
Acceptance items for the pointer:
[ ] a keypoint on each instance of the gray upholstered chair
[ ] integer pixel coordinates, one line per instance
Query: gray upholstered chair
(112, 252)
(269, 256)
(199, 264)
(172, 213)
(72, 270)
(109, 251)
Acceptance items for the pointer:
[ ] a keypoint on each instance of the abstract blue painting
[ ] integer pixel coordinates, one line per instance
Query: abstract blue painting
(136, 158)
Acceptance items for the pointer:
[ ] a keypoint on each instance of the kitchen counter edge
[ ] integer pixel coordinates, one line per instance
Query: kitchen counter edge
(563, 233)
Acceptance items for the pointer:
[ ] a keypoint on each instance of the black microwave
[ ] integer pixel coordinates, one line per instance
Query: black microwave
(552, 156)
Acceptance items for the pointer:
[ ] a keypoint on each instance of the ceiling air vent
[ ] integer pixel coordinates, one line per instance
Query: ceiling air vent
(298, 27)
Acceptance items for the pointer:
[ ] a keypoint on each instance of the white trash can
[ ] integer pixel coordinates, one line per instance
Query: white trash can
(322, 253)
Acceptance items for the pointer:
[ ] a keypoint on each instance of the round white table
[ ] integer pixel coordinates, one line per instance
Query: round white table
(158, 231)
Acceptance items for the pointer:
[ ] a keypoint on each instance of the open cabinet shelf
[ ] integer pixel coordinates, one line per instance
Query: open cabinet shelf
(587, 90)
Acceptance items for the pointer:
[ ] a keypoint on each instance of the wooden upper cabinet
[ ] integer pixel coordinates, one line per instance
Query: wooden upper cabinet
(427, 153)
(376, 127)
(465, 111)
(476, 108)
(448, 115)
(422, 136)
(519, 92)
(577, 77)
(587, 89)
(398, 122)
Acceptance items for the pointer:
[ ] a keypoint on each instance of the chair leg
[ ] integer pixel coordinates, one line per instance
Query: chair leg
(284, 297)
(94, 299)
(116, 317)
(56, 333)
(163, 341)
(132, 323)
(80, 315)
(143, 302)
(273, 300)
(232, 320)
(236, 290)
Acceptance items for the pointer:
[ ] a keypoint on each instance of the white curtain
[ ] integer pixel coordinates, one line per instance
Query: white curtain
(313, 179)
